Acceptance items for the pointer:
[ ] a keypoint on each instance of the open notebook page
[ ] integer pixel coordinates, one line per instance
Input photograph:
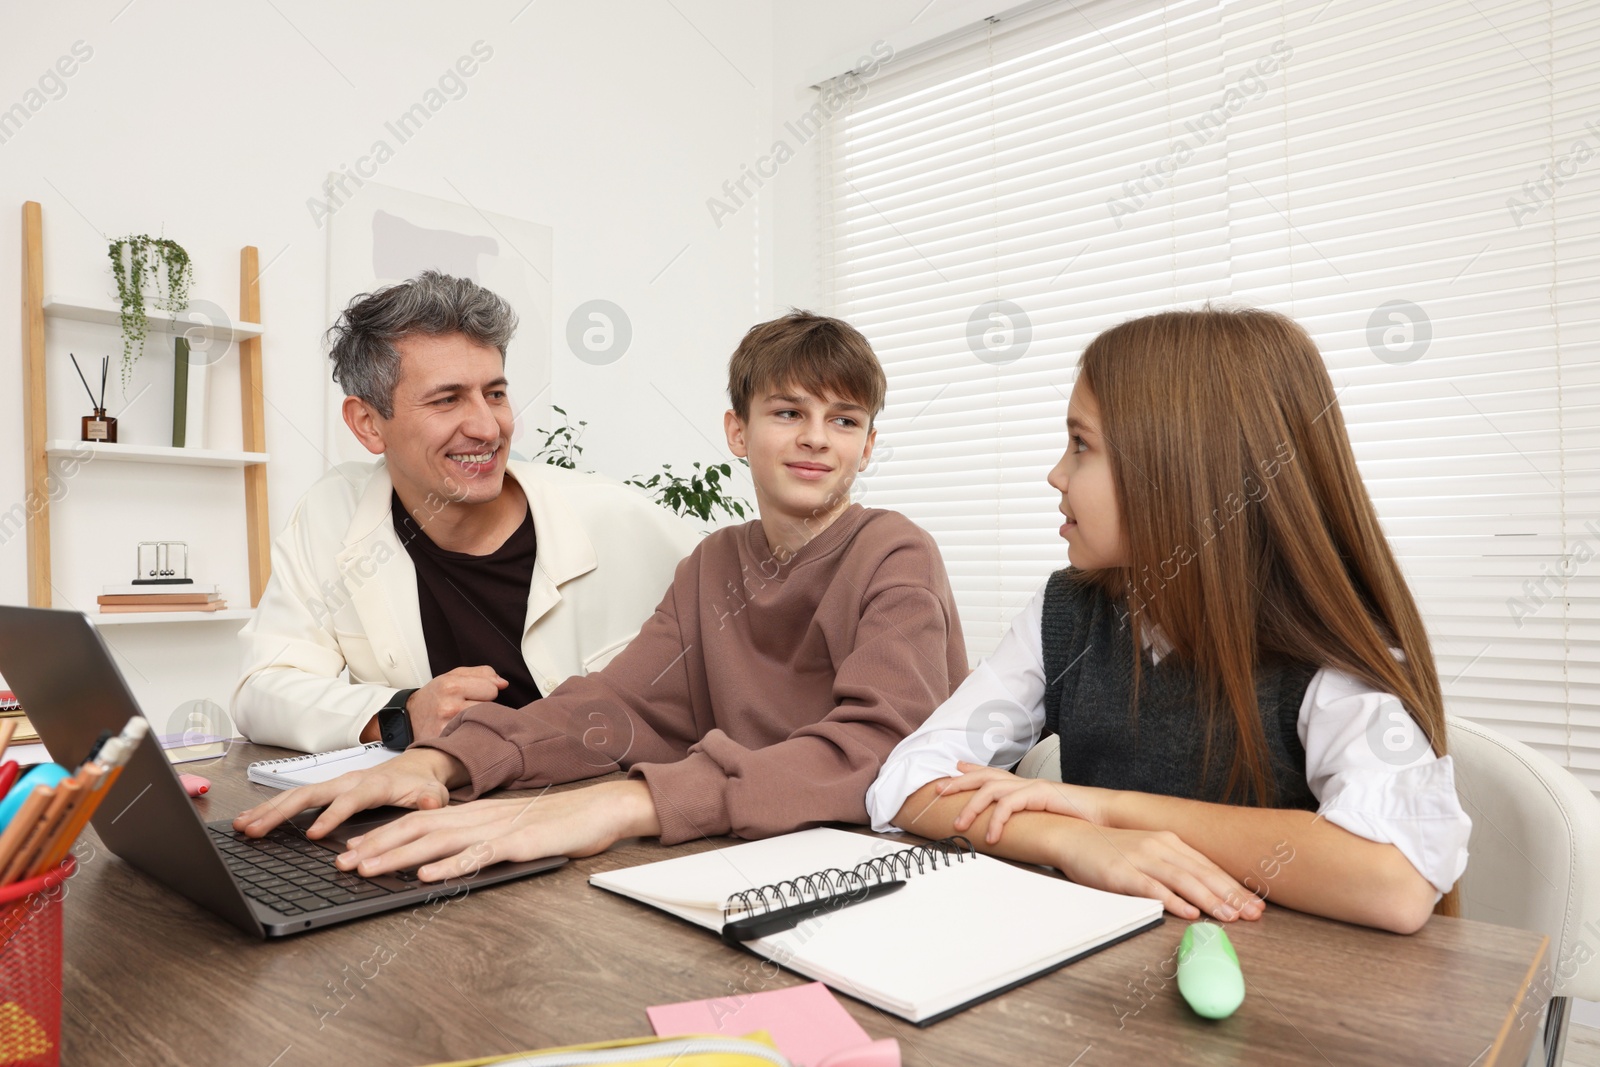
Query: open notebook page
(701, 883)
(953, 934)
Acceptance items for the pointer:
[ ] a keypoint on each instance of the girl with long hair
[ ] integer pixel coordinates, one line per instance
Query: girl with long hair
(1245, 697)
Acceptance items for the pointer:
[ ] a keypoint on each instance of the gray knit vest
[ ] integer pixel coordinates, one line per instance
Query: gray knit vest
(1088, 662)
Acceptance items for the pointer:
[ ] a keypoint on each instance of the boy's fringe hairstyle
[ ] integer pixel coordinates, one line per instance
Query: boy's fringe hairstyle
(814, 352)
(1260, 542)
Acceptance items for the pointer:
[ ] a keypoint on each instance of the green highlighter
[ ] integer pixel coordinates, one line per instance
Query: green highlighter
(1208, 972)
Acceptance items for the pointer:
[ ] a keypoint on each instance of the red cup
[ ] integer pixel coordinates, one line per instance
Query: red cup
(30, 969)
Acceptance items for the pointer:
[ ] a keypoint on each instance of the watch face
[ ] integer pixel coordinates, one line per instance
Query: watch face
(395, 728)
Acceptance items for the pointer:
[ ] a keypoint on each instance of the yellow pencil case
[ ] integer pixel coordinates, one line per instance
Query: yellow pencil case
(693, 1050)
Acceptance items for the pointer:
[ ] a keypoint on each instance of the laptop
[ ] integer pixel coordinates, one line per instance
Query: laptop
(281, 884)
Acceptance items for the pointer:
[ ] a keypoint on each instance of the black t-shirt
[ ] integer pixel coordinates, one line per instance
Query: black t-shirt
(474, 607)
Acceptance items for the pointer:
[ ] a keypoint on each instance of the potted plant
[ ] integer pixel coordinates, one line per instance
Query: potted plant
(561, 447)
(137, 261)
(700, 494)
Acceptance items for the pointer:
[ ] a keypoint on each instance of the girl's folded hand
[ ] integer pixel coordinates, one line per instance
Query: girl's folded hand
(1156, 864)
(1007, 794)
(1144, 863)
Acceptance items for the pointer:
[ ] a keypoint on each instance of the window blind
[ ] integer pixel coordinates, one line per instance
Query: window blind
(1419, 186)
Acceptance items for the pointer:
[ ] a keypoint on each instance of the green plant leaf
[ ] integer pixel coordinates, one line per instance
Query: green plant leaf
(701, 494)
(132, 274)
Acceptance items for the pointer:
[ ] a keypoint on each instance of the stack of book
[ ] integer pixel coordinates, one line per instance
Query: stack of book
(118, 599)
(11, 710)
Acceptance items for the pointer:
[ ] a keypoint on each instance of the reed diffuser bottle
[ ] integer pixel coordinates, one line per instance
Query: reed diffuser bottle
(99, 426)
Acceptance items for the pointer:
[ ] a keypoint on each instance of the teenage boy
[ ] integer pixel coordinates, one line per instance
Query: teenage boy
(445, 574)
(783, 665)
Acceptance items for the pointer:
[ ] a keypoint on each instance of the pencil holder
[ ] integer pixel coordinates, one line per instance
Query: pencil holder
(30, 969)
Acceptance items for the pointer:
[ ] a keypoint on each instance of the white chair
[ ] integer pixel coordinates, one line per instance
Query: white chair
(1534, 860)
(1043, 760)
(1534, 863)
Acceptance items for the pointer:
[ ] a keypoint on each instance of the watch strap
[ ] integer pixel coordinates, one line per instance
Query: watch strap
(398, 701)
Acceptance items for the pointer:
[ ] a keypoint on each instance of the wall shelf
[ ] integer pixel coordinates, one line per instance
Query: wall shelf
(57, 306)
(194, 457)
(250, 459)
(146, 618)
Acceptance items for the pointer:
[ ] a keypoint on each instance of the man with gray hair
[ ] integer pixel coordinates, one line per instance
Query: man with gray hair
(446, 574)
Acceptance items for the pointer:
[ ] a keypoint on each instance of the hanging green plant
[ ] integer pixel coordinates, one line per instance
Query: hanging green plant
(138, 260)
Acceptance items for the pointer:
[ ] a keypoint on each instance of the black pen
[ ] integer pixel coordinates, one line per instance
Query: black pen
(99, 743)
(774, 922)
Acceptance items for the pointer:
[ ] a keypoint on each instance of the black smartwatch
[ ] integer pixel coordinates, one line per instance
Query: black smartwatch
(394, 724)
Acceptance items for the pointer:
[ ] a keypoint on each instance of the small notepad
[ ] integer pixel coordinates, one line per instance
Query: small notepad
(319, 766)
(806, 1022)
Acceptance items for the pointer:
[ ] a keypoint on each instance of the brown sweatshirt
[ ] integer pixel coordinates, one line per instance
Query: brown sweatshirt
(763, 694)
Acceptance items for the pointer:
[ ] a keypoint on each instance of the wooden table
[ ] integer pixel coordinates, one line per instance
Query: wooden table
(152, 979)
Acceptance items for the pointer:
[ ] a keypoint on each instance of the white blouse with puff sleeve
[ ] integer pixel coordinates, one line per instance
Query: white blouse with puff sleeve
(1367, 762)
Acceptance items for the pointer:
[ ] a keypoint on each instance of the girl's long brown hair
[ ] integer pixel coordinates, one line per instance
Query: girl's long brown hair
(1250, 534)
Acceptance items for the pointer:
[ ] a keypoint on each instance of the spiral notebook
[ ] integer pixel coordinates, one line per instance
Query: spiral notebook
(965, 928)
(318, 766)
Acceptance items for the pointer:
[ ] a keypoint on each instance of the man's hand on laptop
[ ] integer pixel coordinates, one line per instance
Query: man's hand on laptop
(461, 840)
(435, 704)
(418, 778)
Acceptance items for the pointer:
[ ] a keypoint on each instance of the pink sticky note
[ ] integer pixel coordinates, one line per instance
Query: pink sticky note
(806, 1022)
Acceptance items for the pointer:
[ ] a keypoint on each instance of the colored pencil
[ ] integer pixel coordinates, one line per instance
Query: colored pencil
(28, 853)
(22, 823)
(78, 816)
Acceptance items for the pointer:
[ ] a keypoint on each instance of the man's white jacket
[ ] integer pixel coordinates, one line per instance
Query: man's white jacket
(343, 595)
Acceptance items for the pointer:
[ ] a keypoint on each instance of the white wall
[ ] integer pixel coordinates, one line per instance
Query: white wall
(214, 124)
(614, 123)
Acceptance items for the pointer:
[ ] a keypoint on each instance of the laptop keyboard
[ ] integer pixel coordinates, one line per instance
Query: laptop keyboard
(293, 875)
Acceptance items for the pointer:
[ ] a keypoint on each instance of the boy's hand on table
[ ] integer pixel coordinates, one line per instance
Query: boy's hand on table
(418, 778)
(458, 841)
